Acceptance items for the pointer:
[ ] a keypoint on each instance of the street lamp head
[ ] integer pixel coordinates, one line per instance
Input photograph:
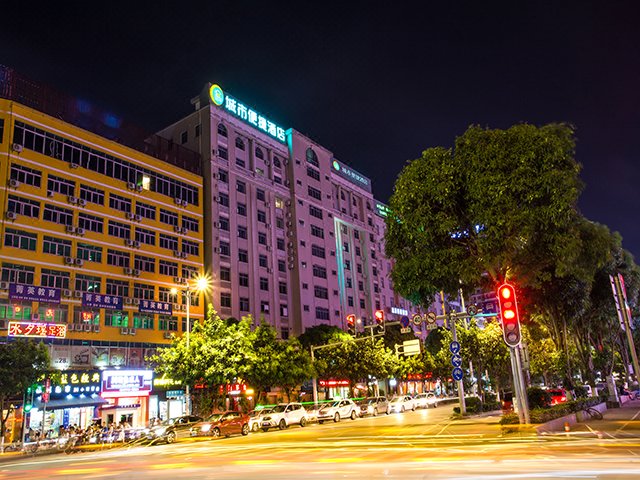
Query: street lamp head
(174, 291)
(202, 283)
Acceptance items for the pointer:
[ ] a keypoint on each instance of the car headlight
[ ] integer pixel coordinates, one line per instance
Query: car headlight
(205, 428)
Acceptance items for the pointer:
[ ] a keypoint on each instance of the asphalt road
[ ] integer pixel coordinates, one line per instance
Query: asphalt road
(414, 445)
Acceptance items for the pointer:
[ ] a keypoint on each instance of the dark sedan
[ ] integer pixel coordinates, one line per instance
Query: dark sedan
(170, 430)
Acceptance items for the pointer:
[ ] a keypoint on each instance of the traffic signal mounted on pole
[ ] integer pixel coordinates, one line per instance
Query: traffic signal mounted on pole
(509, 315)
(379, 316)
(351, 324)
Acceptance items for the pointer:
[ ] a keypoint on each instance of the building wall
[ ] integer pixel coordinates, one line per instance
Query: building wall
(59, 221)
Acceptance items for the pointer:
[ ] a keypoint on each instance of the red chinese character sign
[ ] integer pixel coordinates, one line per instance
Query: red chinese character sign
(37, 329)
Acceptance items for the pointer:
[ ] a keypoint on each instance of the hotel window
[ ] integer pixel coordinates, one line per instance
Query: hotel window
(145, 236)
(242, 231)
(146, 264)
(54, 278)
(318, 251)
(244, 304)
(89, 253)
(360, 285)
(347, 264)
(118, 258)
(282, 266)
(197, 130)
(169, 242)
(190, 248)
(23, 206)
(225, 248)
(143, 291)
(91, 223)
(315, 212)
(119, 203)
(264, 306)
(87, 283)
(61, 185)
(241, 187)
(59, 215)
(92, 195)
(170, 218)
(279, 222)
(184, 137)
(168, 268)
(314, 192)
(317, 231)
(319, 271)
(361, 303)
(17, 273)
(239, 144)
(119, 288)
(322, 313)
(20, 239)
(260, 195)
(282, 288)
(190, 224)
(264, 284)
(240, 162)
(277, 179)
(223, 175)
(243, 256)
(222, 130)
(313, 173)
(225, 300)
(262, 238)
(262, 261)
(359, 268)
(224, 223)
(280, 244)
(223, 152)
(348, 283)
(243, 279)
(276, 162)
(225, 274)
(259, 153)
(262, 216)
(320, 292)
(26, 175)
(242, 209)
(358, 252)
(145, 210)
(223, 199)
(312, 158)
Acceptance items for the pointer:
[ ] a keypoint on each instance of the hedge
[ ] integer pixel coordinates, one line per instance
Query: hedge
(546, 414)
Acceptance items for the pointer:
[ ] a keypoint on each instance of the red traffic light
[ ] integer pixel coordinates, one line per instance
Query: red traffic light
(509, 314)
(379, 315)
(351, 320)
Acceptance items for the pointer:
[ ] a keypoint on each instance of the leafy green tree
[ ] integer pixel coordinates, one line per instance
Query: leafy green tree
(321, 335)
(295, 366)
(22, 363)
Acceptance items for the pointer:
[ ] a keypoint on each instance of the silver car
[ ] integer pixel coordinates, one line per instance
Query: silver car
(374, 406)
(401, 403)
(337, 410)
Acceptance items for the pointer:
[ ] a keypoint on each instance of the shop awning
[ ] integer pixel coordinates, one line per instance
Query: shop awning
(71, 403)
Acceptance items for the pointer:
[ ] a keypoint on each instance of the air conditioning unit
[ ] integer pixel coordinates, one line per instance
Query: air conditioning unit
(50, 193)
(184, 230)
(16, 147)
(289, 224)
(4, 285)
(77, 294)
(267, 226)
(216, 250)
(71, 327)
(177, 229)
(137, 218)
(176, 253)
(72, 199)
(96, 328)
(68, 261)
(177, 280)
(87, 327)
(289, 214)
(79, 262)
(267, 162)
(167, 335)
(178, 201)
(285, 161)
(287, 183)
(290, 244)
(128, 242)
(128, 271)
(35, 317)
(136, 272)
(290, 233)
(132, 331)
(80, 231)
(13, 183)
(139, 188)
(183, 254)
(136, 301)
(269, 270)
(11, 215)
(291, 265)
(82, 202)
(66, 292)
(287, 203)
(129, 215)
(128, 300)
(185, 308)
(215, 225)
(131, 186)
(176, 307)
(268, 248)
(124, 331)
(136, 244)
(70, 229)
(185, 203)
(73, 165)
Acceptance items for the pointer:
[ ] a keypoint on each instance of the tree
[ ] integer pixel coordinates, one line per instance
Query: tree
(501, 203)
(22, 363)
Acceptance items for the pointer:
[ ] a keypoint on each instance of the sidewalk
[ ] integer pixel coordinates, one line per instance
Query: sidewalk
(617, 422)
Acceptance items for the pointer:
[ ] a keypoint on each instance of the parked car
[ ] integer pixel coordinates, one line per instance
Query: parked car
(374, 406)
(337, 410)
(170, 430)
(558, 395)
(255, 418)
(284, 415)
(217, 424)
(401, 403)
(425, 400)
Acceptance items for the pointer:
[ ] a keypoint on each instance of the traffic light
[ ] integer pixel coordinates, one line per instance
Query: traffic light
(351, 324)
(509, 315)
(379, 316)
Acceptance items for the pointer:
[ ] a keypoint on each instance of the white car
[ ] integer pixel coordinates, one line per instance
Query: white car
(337, 410)
(255, 418)
(425, 400)
(401, 403)
(284, 415)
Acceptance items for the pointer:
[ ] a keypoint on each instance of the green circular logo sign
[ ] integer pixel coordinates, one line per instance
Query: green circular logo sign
(216, 94)
(336, 165)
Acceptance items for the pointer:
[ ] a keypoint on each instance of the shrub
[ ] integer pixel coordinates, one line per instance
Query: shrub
(490, 397)
(538, 397)
(509, 419)
(490, 406)
(580, 392)
(474, 404)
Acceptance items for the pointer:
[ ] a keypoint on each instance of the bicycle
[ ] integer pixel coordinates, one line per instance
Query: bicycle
(592, 413)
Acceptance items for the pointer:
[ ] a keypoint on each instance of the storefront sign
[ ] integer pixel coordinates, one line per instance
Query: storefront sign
(150, 306)
(118, 383)
(76, 382)
(94, 300)
(334, 383)
(165, 382)
(36, 329)
(246, 114)
(399, 311)
(351, 175)
(382, 210)
(32, 293)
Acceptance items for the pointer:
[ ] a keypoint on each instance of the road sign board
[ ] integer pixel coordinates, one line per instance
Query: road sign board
(404, 321)
(417, 319)
(457, 373)
(405, 330)
(456, 360)
(454, 347)
(411, 347)
(472, 310)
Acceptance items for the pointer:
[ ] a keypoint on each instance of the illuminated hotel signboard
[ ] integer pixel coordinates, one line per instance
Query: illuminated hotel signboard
(37, 329)
(382, 209)
(118, 383)
(245, 113)
(351, 175)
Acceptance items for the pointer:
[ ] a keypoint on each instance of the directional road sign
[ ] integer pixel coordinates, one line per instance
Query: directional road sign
(454, 347)
(456, 360)
(457, 374)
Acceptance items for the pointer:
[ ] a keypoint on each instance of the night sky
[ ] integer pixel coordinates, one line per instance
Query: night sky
(374, 82)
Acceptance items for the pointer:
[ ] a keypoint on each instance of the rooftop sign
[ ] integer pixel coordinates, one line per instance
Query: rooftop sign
(382, 209)
(351, 175)
(246, 114)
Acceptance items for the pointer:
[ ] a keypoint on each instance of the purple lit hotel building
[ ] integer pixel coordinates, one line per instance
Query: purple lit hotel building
(291, 233)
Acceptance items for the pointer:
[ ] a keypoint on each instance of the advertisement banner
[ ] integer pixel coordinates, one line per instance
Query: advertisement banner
(32, 293)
